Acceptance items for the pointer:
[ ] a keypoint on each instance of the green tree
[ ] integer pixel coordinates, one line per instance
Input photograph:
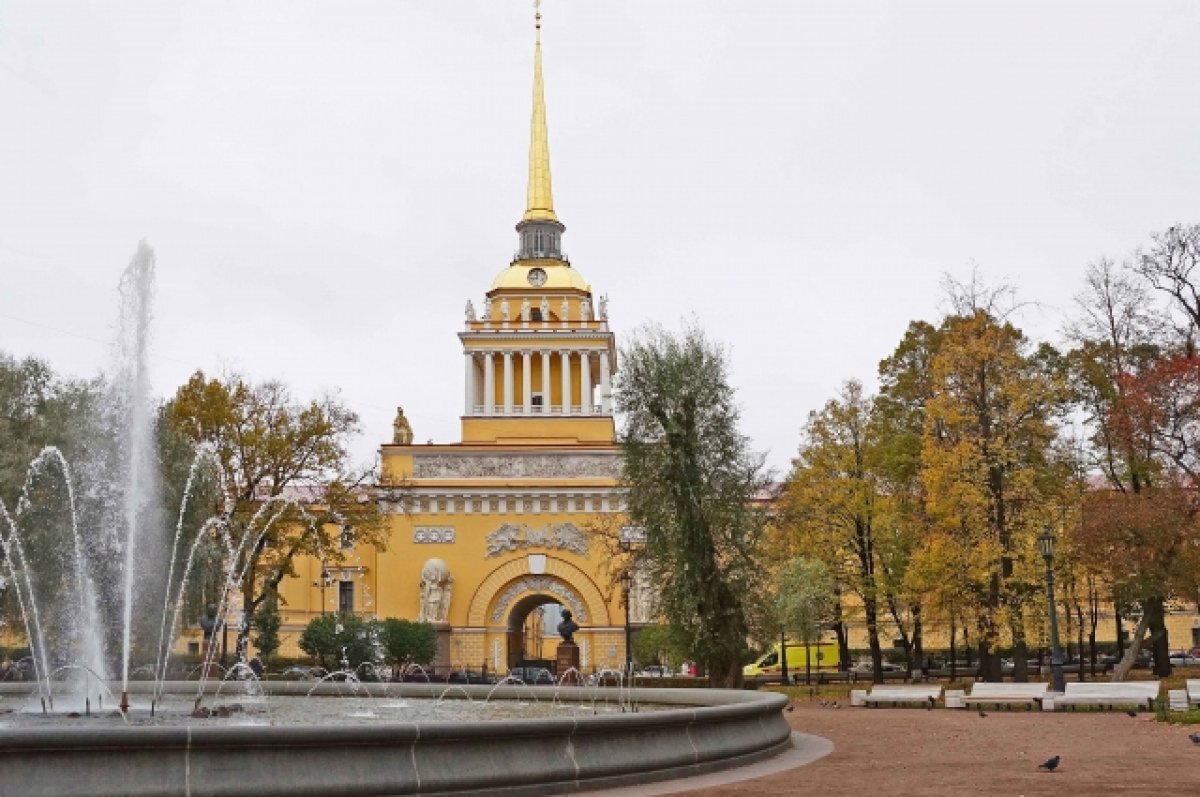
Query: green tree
(292, 457)
(405, 642)
(804, 601)
(331, 638)
(691, 479)
(660, 644)
(266, 625)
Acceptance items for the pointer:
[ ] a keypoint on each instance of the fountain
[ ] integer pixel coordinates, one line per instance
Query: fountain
(79, 565)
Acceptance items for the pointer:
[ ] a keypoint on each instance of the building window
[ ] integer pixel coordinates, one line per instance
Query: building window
(535, 313)
(193, 648)
(536, 400)
(346, 597)
(346, 538)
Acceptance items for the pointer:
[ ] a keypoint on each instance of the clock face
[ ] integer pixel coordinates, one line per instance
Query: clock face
(537, 277)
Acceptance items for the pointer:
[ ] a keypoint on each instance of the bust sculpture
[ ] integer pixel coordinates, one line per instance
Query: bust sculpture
(435, 592)
(567, 628)
(402, 433)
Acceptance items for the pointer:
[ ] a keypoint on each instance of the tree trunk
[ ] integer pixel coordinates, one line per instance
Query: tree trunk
(871, 610)
(839, 629)
(1159, 642)
(953, 650)
(1079, 639)
(918, 641)
(1121, 671)
(1020, 647)
(1120, 623)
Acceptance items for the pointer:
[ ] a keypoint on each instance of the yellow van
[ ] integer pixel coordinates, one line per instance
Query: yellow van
(824, 657)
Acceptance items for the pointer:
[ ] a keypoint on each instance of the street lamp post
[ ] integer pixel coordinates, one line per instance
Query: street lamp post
(1046, 542)
(626, 580)
(325, 581)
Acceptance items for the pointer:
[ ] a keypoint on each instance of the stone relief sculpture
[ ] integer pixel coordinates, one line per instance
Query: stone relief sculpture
(502, 540)
(470, 311)
(511, 537)
(445, 466)
(543, 584)
(585, 310)
(525, 309)
(504, 314)
(435, 585)
(402, 433)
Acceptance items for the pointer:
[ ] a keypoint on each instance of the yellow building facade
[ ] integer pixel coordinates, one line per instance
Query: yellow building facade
(484, 531)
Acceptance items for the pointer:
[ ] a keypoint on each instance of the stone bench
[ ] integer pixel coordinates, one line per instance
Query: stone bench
(923, 694)
(1125, 693)
(996, 694)
(1193, 691)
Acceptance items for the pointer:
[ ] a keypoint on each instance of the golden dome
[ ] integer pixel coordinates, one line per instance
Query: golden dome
(558, 276)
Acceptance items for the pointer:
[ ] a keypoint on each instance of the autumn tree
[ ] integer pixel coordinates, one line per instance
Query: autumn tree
(986, 446)
(830, 503)
(691, 478)
(289, 488)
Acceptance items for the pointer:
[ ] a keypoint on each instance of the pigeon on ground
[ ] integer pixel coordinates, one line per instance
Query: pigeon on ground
(1195, 737)
(837, 704)
(1050, 764)
(790, 707)
(1131, 713)
(824, 703)
(982, 713)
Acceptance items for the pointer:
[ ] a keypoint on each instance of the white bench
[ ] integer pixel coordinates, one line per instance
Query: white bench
(1193, 690)
(924, 694)
(1030, 694)
(1125, 693)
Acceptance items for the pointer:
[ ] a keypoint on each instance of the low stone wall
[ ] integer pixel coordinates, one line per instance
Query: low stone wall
(711, 729)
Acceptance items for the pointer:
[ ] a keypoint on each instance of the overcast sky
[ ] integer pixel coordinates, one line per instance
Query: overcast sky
(325, 184)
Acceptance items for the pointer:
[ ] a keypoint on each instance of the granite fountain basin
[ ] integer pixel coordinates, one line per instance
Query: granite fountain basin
(584, 738)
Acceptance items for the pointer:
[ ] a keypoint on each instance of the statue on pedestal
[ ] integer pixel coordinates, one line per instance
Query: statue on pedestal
(525, 309)
(585, 310)
(402, 433)
(567, 628)
(470, 311)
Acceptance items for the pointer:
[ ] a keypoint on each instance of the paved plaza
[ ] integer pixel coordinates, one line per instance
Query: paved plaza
(941, 752)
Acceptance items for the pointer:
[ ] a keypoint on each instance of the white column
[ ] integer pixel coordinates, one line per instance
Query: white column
(508, 383)
(489, 383)
(545, 382)
(605, 384)
(527, 382)
(470, 383)
(566, 381)
(585, 381)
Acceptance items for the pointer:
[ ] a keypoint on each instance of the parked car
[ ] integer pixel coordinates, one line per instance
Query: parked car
(469, 677)
(868, 668)
(653, 671)
(532, 676)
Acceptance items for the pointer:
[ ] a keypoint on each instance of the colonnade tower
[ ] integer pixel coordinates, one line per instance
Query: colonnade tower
(539, 357)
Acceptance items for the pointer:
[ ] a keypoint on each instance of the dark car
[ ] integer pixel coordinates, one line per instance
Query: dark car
(532, 675)
(468, 677)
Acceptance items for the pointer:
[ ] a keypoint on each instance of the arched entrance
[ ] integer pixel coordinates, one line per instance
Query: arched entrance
(530, 630)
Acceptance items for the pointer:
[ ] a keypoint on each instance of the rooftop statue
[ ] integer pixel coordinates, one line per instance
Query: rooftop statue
(402, 433)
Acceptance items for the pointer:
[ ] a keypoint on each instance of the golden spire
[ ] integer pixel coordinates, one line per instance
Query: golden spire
(540, 206)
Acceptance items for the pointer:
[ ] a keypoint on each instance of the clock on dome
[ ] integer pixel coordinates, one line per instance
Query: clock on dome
(537, 277)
